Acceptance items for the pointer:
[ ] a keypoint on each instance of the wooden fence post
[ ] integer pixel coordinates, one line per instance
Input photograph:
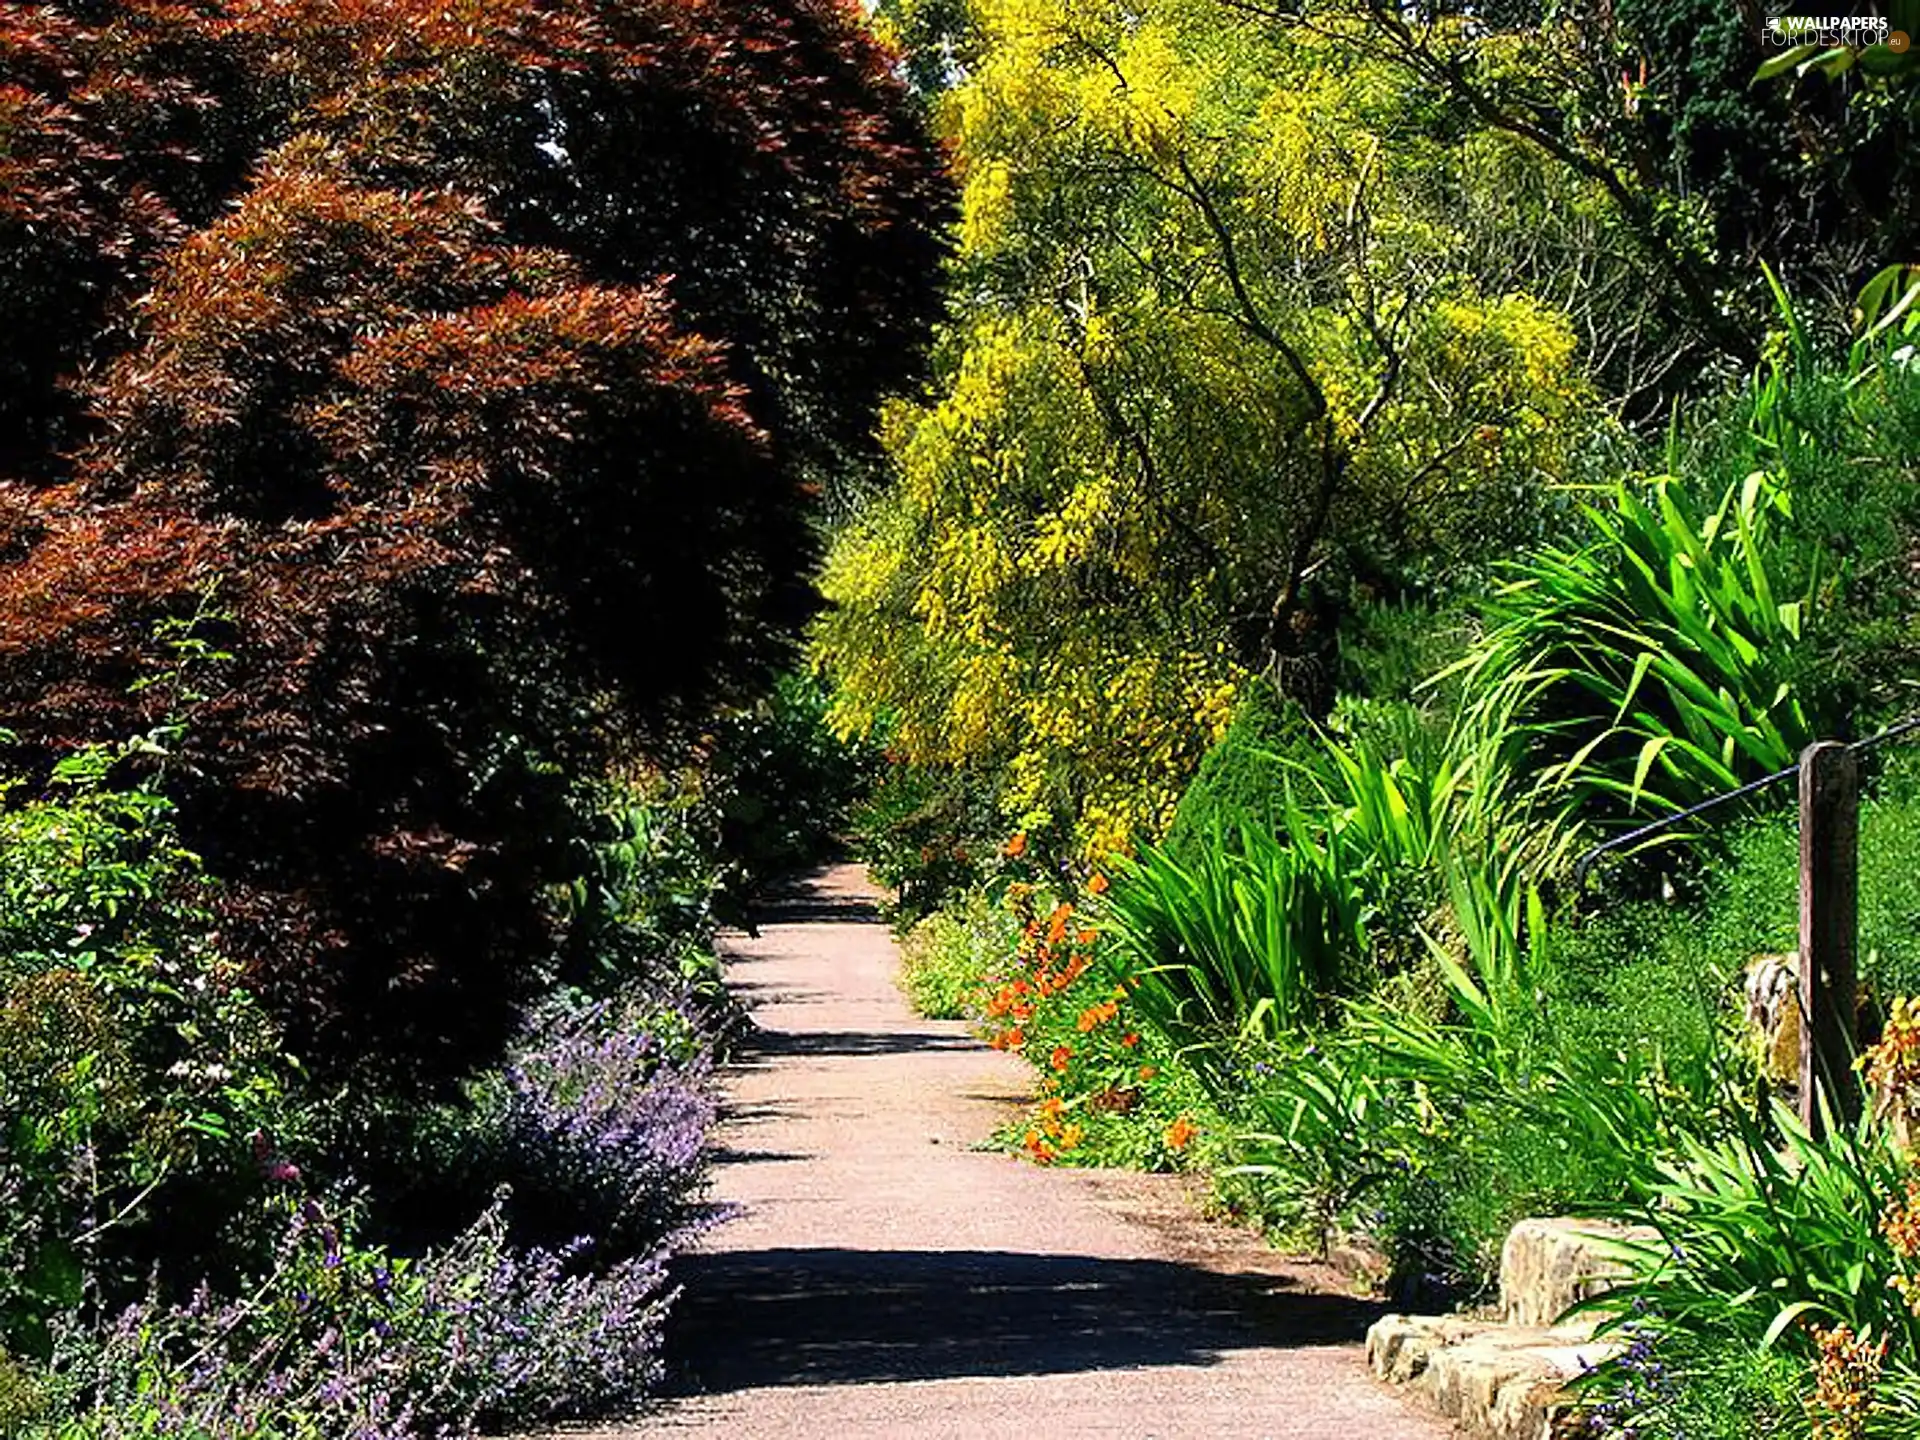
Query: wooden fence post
(1829, 898)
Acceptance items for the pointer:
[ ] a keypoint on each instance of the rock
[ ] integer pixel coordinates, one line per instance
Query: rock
(1496, 1382)
(1772, 992)
(1506, 1378)
(1399, 1346)
(1548, 1266)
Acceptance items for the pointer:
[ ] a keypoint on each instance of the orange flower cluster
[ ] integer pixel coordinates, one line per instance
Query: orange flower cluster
(1012, 1001)
(1095, 1075)
(1893, 1066)
(1849, 1369)
(1050, 965)
(1051, 1135)
(1180, 1134)
(1901, 1225)
(1057, 923)
(1095, 1016)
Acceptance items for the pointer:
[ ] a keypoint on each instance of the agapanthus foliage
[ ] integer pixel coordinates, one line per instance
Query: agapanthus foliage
(477, 361)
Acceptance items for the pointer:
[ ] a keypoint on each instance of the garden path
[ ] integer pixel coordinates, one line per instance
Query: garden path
(885, 1278)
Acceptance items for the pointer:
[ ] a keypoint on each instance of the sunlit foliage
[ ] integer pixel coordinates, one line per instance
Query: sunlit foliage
(1225, 341)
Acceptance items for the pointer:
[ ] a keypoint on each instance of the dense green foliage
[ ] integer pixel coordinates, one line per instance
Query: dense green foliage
(1370, 453)
(947, 958)
(327, 1284)
(1241, 778)
(1360, 962)
(126, 1038)
(1454, 656)
(781, 785)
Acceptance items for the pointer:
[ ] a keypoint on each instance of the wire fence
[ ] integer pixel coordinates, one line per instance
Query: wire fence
(1666, 822)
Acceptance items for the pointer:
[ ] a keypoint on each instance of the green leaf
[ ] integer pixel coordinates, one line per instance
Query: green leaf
(1785, 1319)
(1790, 59)
(55, 1275)
(1834, 62)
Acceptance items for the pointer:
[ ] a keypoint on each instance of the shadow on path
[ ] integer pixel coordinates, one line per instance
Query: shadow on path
(828, 1317)
(807, 907)
(772, 1044)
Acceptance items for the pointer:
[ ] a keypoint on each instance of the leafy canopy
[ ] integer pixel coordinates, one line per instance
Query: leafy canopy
(1223, 339)
(482, 360)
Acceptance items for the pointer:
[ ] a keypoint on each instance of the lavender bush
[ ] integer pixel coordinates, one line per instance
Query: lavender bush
(341, 1342)
(583, 1157)
(603, 1127)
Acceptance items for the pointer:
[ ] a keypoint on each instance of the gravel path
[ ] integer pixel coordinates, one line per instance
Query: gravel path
(884, 1278)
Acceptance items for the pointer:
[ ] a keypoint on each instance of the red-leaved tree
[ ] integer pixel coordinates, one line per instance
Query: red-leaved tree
(478, 358)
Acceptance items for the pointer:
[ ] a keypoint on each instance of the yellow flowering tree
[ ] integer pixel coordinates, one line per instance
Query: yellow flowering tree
(1219, 344)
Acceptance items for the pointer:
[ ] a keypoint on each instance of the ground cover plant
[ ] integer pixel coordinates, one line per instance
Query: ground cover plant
(949, 959)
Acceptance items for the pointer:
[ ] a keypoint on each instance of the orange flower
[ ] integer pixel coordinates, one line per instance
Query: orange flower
(1893, 1066)
(1130, 1039)
(1901, 1223)
(1849, 1370)
(1070, 1136)
(1016, 847)
(1057, 923)
(1016, 1038)
(1061, 1058)
(1050, 1109)
(1147, 1072)
(1180, 1134)
(1096, 1015)
(1087, 937)
(1097, 885)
